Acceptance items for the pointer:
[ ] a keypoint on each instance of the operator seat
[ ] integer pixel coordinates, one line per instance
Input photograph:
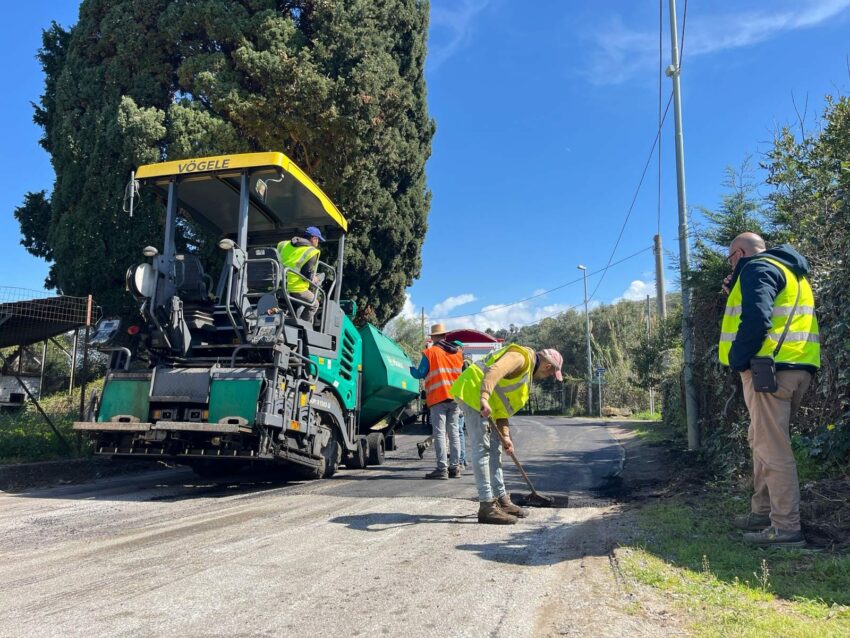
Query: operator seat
(193, 288)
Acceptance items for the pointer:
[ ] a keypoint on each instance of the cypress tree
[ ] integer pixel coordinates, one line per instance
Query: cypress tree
(338, 85)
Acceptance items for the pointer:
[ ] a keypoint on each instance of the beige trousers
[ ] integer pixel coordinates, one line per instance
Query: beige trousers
(776, 488)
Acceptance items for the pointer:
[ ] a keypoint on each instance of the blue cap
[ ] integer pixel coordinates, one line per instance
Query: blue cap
(312, 231)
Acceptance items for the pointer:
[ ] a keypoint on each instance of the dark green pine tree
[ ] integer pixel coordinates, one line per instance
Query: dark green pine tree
(338, 85)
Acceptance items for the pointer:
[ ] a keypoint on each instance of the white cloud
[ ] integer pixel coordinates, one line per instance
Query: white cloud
(637, 291)
(408, 310)
(495, 316)
(621, 52)
(450, 303)
(451, 28)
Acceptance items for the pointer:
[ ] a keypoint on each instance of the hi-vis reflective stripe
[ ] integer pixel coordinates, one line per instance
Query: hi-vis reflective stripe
(783, 311)
(791, 337)
(436, 384)
(308, 254)
(435, 372)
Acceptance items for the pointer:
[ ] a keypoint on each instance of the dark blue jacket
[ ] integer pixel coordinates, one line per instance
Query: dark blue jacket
(761, 282)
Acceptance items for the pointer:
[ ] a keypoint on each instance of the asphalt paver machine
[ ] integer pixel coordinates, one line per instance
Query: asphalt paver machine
(234, 372)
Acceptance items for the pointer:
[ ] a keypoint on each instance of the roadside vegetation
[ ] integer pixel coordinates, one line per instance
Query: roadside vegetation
(25, 435)
(684, 547)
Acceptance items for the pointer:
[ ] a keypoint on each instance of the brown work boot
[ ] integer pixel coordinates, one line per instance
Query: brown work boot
(772, 537)
(455, 471)
(490, 513)
(439, 475)
(752, 522)
(511, 508)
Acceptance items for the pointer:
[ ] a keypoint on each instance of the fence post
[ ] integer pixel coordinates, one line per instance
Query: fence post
(73, 361)
(84, 373)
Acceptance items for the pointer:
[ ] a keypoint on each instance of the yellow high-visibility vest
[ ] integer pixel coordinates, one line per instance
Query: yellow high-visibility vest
(509, 395)
(294, 257)
(802, 343)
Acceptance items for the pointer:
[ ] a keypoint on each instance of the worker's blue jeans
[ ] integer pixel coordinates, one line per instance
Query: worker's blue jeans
(444, 421)
(486, 454)
(462, 438)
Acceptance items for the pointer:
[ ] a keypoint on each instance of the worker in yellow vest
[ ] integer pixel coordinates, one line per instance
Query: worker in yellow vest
(496, 389)
(301, 255)
(770, 336)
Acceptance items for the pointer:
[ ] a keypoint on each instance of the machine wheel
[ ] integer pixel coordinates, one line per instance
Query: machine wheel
(377, 448)
(357, 459)
(389, 443)
(333, 455)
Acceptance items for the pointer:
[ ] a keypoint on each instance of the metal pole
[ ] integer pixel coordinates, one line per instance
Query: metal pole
(84, 373)
(660, 295)
(673, 72)
(43, 362)
(73, 360)
(583, 269)
(649, 334)
(424, 338)
(599, 390)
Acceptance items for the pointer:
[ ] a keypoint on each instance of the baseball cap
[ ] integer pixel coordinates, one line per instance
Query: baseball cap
(554, 357)
(312, 231)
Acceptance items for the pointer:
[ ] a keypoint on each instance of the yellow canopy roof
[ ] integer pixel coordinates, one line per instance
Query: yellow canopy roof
(208, 189)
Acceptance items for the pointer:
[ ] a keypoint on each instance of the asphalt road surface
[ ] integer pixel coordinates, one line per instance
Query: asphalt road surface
(371, 552)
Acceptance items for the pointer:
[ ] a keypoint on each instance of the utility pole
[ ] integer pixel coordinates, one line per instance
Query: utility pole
(673, 72)
(583, 269)
(660, 295)
(649, 334)
(424, 338)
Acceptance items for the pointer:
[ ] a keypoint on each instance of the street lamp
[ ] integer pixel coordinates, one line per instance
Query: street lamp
(583, 269)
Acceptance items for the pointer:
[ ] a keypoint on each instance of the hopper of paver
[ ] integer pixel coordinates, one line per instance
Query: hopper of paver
(387, 387)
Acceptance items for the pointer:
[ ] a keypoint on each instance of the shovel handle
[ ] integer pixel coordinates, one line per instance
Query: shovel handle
(513, 456)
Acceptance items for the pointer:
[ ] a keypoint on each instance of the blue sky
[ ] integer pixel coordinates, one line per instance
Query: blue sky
(544, 121)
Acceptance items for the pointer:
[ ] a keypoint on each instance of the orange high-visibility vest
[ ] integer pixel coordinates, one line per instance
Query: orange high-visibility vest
(443, 369)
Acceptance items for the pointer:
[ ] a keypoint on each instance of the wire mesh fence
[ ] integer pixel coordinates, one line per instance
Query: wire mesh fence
(46, 372)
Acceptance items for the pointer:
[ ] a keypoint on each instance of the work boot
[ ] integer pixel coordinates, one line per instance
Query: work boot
(511, 508)
(752, 522)
(455, 471)
(438, 475)
(772, 537)
(490, 513)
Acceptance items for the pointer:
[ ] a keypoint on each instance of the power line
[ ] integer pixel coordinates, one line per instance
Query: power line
(645, 168)
(660, 99)
(546, 292)
(634, 198)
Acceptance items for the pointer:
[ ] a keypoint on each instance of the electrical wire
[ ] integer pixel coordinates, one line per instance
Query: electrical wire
(655, 144)
(546, 292)
(660, 100)
(648, 161)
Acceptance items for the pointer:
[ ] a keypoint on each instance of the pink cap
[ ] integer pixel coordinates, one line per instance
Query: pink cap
(554, 357)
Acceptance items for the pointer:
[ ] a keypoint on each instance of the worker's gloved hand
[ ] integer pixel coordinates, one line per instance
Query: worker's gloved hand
(485, 408)
(507, 444)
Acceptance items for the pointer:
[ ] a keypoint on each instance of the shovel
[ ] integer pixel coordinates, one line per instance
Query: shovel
(535, 499)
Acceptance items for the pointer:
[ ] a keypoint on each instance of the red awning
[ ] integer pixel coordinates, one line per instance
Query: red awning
(471, 336)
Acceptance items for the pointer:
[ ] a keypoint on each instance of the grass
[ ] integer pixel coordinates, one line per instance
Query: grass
(646, 415)
(686, 549)
(653, 432)
(26, 437)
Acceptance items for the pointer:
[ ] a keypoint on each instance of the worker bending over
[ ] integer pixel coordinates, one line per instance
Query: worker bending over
(301, 255)
(498, 388)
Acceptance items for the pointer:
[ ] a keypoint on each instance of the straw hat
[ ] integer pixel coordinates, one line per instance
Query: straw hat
(438, 329)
